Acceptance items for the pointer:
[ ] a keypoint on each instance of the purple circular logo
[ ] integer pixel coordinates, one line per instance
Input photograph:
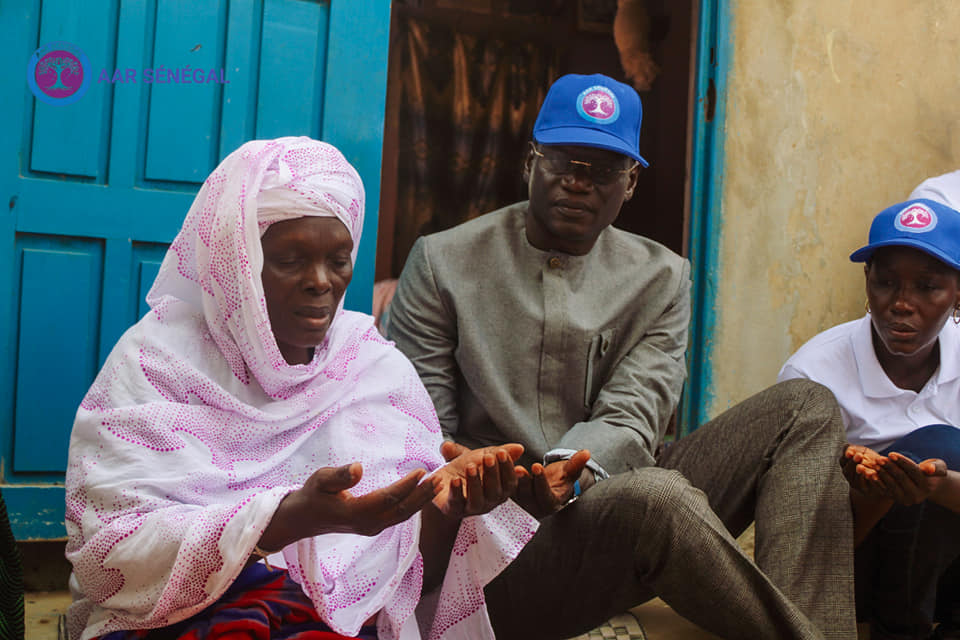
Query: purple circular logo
(598, 104)
(58, 73)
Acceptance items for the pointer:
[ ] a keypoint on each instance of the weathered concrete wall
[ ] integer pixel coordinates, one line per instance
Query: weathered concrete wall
(836, 109)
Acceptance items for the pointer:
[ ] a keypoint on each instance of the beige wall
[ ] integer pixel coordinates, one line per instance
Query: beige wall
(835, 109)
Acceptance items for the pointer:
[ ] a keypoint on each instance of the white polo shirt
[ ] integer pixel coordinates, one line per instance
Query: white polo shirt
(875, 411)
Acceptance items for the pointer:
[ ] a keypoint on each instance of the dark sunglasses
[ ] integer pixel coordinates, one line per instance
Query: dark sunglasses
(560, 164)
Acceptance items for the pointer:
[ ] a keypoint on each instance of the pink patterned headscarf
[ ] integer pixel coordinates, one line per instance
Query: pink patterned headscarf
(196, 428)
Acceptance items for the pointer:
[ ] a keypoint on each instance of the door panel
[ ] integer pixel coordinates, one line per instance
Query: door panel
(91, 193)
(293, 54)
(184, 115)
(146, 262)
(74, 142)
(56, 347)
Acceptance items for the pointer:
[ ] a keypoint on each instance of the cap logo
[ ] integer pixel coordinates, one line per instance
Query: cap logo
(916, 218)
(598, 104)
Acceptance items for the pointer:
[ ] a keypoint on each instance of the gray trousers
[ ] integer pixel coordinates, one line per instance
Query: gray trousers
(669, 531)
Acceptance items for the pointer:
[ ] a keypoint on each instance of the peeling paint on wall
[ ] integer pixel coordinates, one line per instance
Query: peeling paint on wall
(835, 110)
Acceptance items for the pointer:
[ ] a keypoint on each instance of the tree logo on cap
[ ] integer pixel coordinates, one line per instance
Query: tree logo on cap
(916, 218)
(598, 104)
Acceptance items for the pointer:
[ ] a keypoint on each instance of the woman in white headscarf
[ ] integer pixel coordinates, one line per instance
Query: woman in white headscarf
(252, 456)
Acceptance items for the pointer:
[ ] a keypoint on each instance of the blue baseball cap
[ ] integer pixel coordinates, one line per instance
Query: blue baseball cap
(923, 224)
(591, 111)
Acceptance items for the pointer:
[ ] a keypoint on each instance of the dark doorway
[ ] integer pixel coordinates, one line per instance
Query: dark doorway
(466, 79)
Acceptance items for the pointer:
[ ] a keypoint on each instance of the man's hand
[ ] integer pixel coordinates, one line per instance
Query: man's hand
(545, 489)
(475, 481)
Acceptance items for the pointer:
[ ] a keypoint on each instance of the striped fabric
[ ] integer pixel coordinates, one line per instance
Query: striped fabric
(11, 581)
(262, 604)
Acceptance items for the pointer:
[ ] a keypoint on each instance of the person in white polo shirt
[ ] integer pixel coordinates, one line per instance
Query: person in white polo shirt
(945, 189)
(896, 374)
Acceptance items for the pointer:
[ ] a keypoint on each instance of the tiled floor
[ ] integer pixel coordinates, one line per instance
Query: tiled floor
(41, 609)
(661, 623)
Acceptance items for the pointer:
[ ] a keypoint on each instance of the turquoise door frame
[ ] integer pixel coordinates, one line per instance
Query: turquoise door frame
(93, 191)
(713, 58)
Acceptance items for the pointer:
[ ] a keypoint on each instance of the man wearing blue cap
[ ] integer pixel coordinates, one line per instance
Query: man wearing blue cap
(542, 324)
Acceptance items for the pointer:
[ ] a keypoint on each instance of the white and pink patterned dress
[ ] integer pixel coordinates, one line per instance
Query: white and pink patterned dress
(196, 428)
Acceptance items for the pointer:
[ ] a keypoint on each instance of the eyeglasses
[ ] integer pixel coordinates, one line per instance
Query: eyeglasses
(559, 164)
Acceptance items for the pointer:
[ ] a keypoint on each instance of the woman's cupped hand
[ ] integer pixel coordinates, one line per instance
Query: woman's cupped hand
(893, 476)
(473, 482)
(325, 505)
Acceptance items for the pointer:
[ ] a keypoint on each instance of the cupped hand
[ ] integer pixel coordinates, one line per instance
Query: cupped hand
(474, 481)
(909, 482)
(894, 476)
(546, 489)
(860, 467)
(325, 505)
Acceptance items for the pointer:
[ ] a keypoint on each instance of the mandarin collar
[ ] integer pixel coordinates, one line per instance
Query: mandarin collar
(569, 260)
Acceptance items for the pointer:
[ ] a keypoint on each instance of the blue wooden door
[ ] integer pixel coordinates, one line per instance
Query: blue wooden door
(126, 107)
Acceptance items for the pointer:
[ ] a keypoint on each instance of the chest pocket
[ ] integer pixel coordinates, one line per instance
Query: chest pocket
(599, 355)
